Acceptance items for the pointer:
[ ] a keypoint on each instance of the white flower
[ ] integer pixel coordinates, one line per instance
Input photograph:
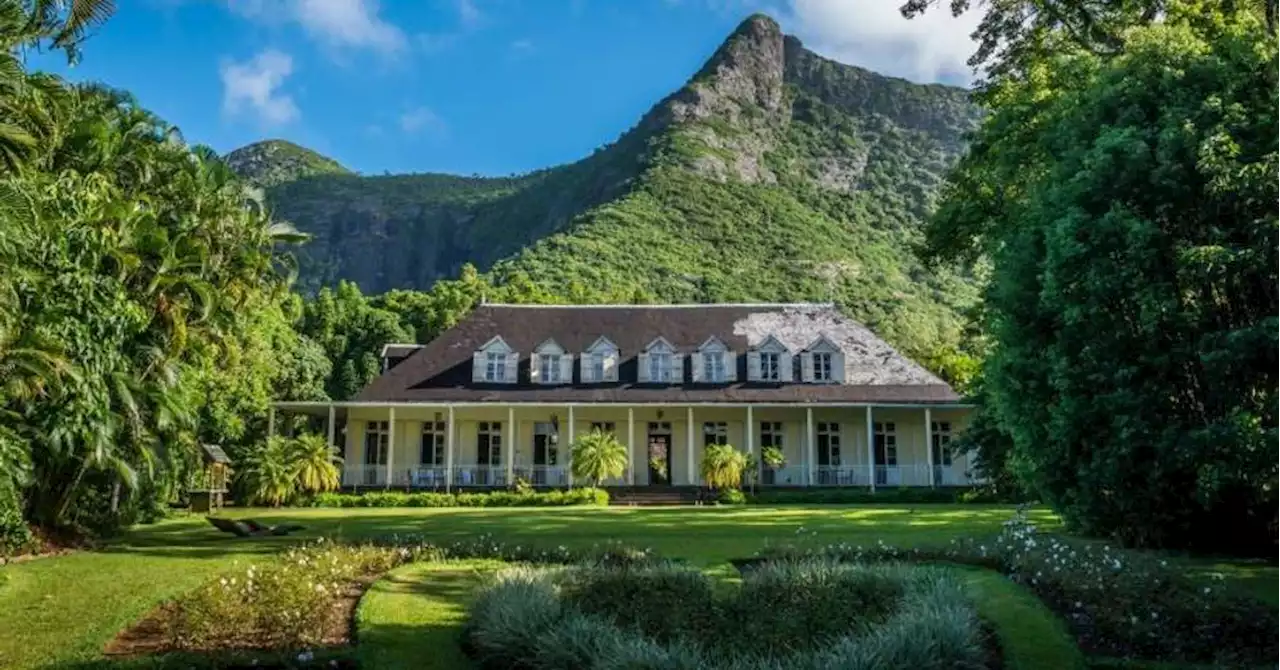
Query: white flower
(1206, 590)
(305, 656)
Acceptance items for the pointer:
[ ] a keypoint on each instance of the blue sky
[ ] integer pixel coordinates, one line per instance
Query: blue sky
(463, 86)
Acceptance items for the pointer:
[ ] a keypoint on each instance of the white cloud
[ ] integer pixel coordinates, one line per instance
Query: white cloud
(421, 120)
(522, 46)
(352, 24)
(875, 35)
(254, 86)
(468, 13)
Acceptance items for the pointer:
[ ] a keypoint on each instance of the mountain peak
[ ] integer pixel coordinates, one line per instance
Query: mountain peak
(271, 162)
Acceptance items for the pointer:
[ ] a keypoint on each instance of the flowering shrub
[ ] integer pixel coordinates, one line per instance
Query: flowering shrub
(286, 603)
(1116, 602)
(555, 498)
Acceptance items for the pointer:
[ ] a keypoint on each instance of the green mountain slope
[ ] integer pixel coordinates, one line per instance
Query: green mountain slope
(774, 174)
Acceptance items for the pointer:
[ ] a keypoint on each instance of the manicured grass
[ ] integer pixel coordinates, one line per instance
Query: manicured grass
(63, 610)
(412, 618)
(1030, 635)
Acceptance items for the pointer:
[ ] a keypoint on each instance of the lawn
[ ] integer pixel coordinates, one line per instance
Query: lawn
(62, 610)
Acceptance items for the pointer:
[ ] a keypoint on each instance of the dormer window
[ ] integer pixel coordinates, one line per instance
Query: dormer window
(822, 363)
(550, 364)
(770, 366)
(495, 367)
(770, 362)
(600, 362)
(714, 363)
(660, 364)
(821, 366)
(549, 368)
(494, 363)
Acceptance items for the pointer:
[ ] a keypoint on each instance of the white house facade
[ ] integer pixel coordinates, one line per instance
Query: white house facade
(503, 394)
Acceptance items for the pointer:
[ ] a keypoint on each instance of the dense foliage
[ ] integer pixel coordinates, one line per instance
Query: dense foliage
(598, 456)
(784, 616)
(142, 304)
(1124, 189)
(553, 498)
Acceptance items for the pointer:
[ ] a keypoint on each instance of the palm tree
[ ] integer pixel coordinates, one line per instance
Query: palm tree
(315, 462)
(598, 456)
(267, 474)
(723, 466)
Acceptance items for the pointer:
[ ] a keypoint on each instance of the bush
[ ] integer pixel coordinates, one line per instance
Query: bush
(731, 497)
(15, 536)
(801, 615)
(1116, 603)
(554, 498)
(853, 496)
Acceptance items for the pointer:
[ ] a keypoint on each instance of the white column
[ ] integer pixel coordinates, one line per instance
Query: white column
(928, 442)
(511, 446)
(448, 454)
(333, 429)
(569, 461)
(693, 472)
(631, 446)
(271, 422)
(391, 443)
(810, 449)
(871, 449)
(751, 442)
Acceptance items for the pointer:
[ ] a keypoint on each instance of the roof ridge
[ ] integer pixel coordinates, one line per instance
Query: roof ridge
(682, 305)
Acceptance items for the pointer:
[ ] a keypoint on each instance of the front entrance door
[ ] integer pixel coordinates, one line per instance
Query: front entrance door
(659, 453)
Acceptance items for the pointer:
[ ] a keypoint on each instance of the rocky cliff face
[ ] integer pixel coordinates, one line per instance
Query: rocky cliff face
(773, 174)
(272, 162)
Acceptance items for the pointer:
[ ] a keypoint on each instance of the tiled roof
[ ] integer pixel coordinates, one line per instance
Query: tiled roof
(441, 370)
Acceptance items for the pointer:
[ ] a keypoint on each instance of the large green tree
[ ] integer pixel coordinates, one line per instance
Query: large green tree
(1126, 198)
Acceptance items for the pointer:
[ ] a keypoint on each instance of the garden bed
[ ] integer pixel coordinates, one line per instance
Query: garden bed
(813, 614)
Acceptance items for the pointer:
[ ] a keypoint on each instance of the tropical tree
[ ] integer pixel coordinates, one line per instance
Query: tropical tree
(268, 474)
(315, 462)
(598, 456)
(723, 466)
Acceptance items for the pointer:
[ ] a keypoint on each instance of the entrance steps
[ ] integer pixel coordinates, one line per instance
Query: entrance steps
(654, 495)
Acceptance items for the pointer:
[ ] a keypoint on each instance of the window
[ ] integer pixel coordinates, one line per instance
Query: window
(770, 370)
(376, 438)
(431, 451)
(495, 366)
(713, 367)
(821, 367)
(597, 367)
(660, 364)
(941, 442)
(886, 445)
(715, 432)
(828, 444)
(489, 443)
(771, 434)
(549, 368)
(603, 426)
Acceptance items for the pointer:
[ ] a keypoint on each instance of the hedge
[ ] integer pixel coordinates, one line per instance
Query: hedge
(849, 496)
(557, 498)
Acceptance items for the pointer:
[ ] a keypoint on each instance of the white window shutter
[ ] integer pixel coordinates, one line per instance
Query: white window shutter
(699, 373)
(610, 368)
(477, 367)
(806, 367)
(587, 370)
(753, 366)
(785, 368)
(837, 367)
(677, 368)
(566, 369)
(513, 362)
(730, 366)
(642, 368)
(535, 369)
